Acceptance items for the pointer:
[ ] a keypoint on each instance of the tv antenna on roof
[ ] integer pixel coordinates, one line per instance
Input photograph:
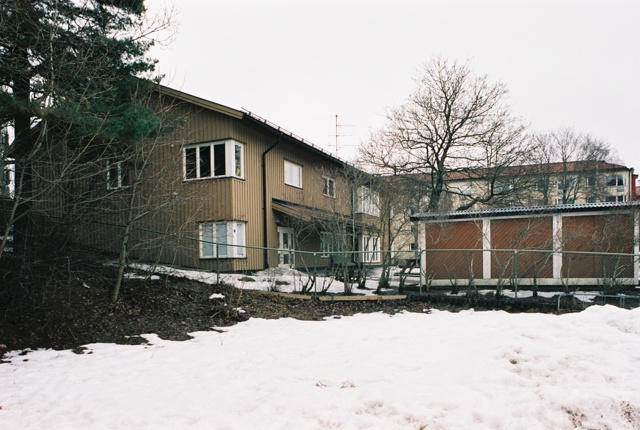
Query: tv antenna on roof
(338, 133)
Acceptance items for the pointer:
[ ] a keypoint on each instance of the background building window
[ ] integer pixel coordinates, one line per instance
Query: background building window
(212, 160)
(615, 181)
(292, 174)
(222, 239)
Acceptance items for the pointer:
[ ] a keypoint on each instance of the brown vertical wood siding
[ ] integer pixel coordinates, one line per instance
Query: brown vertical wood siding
(522, 233)
(598, 233)
(454, 264)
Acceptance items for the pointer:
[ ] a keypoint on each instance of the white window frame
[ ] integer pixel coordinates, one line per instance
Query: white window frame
(616, 199)
(292, 174)
(329, 187)
(233, 160)
(8, 179)
(618, 179)
(326, 244)
(115, 169)
(367, 201)
(230, 245)
(370, 247)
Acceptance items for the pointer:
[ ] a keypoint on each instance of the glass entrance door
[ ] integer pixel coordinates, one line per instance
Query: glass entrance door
(286, 255)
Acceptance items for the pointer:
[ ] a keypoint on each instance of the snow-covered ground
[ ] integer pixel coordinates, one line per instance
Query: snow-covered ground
(438, 370)
(274, 279)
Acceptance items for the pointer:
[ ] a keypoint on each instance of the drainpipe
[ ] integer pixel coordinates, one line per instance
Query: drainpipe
(265, 236)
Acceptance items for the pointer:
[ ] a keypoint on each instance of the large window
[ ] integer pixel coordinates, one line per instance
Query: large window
(370, 249)
(367, 201)
(222, 239)
(214, 160)
(328, 186)
(292, 174)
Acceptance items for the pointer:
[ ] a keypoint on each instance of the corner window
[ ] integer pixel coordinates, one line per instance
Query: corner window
(222, 239)
(292, 174)
(328, 187)
(214, 160)
(370, 249)
(367, 201)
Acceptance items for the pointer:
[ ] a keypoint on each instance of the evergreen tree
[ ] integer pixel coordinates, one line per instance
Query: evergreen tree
(73, 78)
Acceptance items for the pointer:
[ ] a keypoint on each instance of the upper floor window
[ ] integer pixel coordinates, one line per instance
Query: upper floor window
(591, 181)
(116, 175)
(328, 187)
(367, 201)
(7, 178)
(292, 174)
(566, 184)
(222, 239)
(615, 181)
(502, 186)
(215, 159)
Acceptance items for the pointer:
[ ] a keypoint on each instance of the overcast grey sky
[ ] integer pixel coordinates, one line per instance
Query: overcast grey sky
(567, 63)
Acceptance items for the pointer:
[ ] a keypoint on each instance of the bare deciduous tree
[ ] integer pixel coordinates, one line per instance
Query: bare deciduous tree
(455, 123)
(568, 161)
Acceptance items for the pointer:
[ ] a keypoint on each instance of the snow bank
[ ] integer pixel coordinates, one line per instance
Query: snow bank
(470, 370)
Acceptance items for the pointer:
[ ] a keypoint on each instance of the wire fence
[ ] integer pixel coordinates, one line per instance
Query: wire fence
(564, 276)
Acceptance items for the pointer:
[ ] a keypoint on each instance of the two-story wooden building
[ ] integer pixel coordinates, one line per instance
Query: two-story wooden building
(246, 194)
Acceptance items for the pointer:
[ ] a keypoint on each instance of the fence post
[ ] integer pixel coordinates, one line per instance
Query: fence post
(420, 268)
(217, 265)
(315, 275)
(515, 272)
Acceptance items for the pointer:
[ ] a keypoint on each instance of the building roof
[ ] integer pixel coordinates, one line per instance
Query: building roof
(250, 117)
(532, 210)
(570, 167)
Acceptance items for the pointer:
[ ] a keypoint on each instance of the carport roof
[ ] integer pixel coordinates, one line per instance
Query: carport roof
(531, 210)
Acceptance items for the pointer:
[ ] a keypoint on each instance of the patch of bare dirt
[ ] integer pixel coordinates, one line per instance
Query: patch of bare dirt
(66, 309)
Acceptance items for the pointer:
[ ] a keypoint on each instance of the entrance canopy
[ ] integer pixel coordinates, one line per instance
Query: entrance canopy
(315, 215)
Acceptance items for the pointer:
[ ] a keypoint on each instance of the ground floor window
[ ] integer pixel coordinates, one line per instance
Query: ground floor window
(224, 239)
(326, 246)
(369, 245)
(331, 243)
(617, 199)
